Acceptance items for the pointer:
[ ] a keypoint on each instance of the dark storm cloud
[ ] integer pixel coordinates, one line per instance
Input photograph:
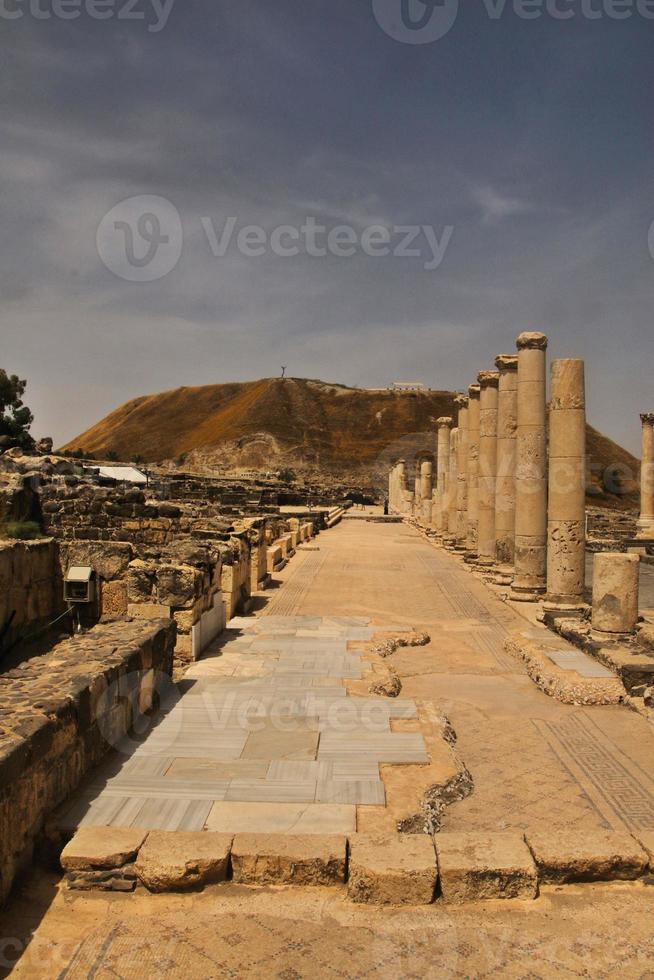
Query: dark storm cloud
(531, 138)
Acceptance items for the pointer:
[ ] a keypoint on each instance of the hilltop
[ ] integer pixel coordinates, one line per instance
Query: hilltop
(308, 425)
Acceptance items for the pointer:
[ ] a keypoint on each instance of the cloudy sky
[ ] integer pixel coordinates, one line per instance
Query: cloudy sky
(524, 146)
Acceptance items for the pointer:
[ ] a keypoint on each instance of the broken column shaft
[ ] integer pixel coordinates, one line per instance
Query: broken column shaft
(566, 521)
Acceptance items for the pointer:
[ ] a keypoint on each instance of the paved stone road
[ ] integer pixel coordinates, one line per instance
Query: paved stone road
(264, 738)
(535, 763)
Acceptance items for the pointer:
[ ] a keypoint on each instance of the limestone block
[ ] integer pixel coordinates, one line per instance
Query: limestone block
(113, 599)
(392, 869)
(273, 558)
(477, 866)
(110, 559)
(184, 647)
(178, 861)
(178, 585)
(311, 859)
(140, 581)
(148, 610)
(186, 619)
(615, 592)
(101, 848)
(586, 856)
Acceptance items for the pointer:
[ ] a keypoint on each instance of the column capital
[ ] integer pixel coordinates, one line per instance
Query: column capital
(488, 379)
(506, 362)
(445, 422)
(647, 417)
(474, 391)
(531, 340)
(461, 401)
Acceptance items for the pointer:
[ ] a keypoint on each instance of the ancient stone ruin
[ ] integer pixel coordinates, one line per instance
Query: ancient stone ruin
(437, 694)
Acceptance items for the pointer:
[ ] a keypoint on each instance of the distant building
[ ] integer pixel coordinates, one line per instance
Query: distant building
(125, 474)
(409, 386)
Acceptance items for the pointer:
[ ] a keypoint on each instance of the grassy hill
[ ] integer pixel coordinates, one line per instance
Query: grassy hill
(311, 426)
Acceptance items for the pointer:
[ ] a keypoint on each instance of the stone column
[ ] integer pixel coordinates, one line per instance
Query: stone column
(461, 401)
(473, 470)
(426, 476)
(442, 467)
(615, 592)
(417, 501)
(531, 471)
(566, 518)
(507, 420)
(396, 488)
(646, 520)
(488, 382)
(452, 488)
(401, 487)
(391, 489)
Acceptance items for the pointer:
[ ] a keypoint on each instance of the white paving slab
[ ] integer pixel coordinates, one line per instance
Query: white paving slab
(263, 737)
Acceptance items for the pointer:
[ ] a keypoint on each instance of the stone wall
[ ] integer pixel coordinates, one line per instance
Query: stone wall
(30, 588)
(83, 510)
(61, 713)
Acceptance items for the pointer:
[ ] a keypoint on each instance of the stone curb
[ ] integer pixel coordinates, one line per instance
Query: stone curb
(378, 869)
(565, 686)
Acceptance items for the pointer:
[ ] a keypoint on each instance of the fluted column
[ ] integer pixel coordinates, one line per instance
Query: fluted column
(507, 420)
(473, 470)
(488, 382)
(426, 478)
(566, 519)
(646, 519)
(444, 426)
(452, 488)
(461, 401)
(531, 471)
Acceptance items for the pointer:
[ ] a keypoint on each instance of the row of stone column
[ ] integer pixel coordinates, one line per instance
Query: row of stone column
(500, 496)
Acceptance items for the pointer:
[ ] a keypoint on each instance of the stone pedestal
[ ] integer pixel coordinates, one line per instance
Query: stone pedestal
(488, 382)
(615, 594)
(450, 534)
(566, 523)
(473, 470)
(426, 479)
(646, 519)
(507, 422)
(531, 471)
(444, 426)
(461, 401)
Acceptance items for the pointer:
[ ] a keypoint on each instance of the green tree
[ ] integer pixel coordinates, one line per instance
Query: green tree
(112, 456)
(15, 416)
